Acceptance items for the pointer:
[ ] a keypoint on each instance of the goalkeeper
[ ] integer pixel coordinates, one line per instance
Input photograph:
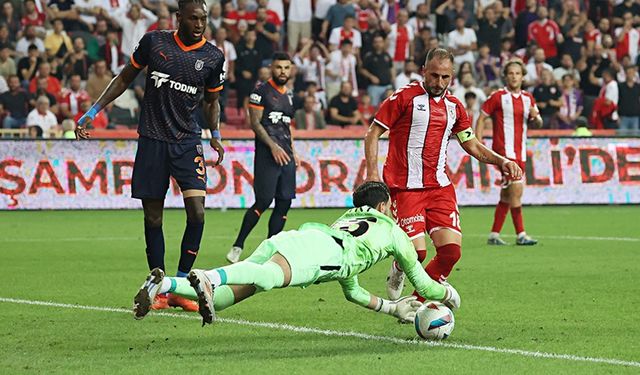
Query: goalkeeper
(315, 253)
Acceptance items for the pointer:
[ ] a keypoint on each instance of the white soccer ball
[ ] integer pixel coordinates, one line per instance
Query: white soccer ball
(434, 321)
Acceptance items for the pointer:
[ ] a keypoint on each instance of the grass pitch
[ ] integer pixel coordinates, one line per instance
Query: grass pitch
(575, 294)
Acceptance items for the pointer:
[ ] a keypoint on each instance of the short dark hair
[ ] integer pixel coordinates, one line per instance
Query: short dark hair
(279, 55)
(183, 3)
(370, 193)
(470, 95)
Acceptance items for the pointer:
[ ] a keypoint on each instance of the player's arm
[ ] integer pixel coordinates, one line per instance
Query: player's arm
(255, 113)
(475, 148)
(371, 150)
(211, 109)
(404, 308)
(116, 87)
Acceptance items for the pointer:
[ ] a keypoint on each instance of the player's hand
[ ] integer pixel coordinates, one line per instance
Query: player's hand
(534, 112)
(81, 133)
(512, 169)
(451, 298)
(215, 144)
(280, 156)
(405, 308)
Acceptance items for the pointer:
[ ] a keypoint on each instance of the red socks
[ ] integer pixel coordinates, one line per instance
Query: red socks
(422, 255)
(441, 265)
(500, 215)
(516, 216)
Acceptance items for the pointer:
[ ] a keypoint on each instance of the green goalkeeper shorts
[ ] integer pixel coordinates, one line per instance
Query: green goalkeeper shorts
(311, 254)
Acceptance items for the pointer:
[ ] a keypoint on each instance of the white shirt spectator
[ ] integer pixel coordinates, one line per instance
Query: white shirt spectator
(481, 97)
(344, 67)
(278, 7)
(84, 7)
(393, 37)
(301, 12)
(312, 71)
(322, 8)
(336, 37)
(630, 43)
(113, 6)
(133, 31)
(561, 71)
(533, 72)
(417, 25)
(229, 52)
(3, 85)
(22, 47)
(403, 79)
(46, 122)
(466, 38)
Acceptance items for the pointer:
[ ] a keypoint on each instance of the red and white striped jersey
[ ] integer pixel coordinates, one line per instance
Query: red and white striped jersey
(419, 130)
(510, 113)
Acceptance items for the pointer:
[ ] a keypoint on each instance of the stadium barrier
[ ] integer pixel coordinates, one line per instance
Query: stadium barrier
(96, 174)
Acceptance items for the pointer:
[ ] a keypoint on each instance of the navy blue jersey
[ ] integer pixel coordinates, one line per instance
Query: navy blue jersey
(177, 76)
(277, 107)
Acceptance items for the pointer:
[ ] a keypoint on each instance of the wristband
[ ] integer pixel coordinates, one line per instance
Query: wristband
(383, 306)
(91, 113)
(216, 134)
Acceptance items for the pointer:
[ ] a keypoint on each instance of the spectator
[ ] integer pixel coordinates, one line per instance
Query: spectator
(467, 84)
(14, 105)
(7, 63)
(627, 6)
(299, 23)
(346, 31)
(41, 90)
(340, 68)
(389, 11)
(30, 38)
(628, 38)
(367, 109)
(11, 19)
(111, 52)
(5, 40)
(446, 14)
(215, 20)
(4, 87)
(43, 118)
(463, 42)
(87, 11)
(605, 107)
(78, 62)
(400, 40)
(134, 24)
(72, 97)
(505, 51)
(229, 66)
(319, 15)
(364, 11)
(165, 21)
(629, 102)
(335, 16)
(310, 61)
(32, 17)
(321, 98)
(524, 19)
(373, 30)
(548, 98)
(487, 66)
(421, 19)
(343, 108)
(64, 9)
(470, 105)
(239, 18)
(273, 17)
(249, 60)
(378, 69)
(264, 74)
(267, 35)
(409, 74)
(68, 129)
(57, 43)
(28, 65)
(309, 118)
(547, 35)
(572, 101)
(492, 27)
(421, 45)
(566, 67)
(98, 80)
(535, 68)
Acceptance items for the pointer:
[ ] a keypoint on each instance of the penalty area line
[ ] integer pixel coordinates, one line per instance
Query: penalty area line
(333, 333)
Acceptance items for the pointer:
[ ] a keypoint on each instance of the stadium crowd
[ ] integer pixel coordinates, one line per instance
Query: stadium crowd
(582, 56)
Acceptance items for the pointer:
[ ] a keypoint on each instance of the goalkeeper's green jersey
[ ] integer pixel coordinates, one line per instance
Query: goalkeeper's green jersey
(367, 236)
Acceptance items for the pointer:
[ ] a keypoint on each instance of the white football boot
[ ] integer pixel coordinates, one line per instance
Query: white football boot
(147, 294)
(202, 285)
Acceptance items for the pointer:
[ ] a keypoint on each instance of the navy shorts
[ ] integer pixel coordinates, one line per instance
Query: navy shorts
(157, 160)
(271, 180)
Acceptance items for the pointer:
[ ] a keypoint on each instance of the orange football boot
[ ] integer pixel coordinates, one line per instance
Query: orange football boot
(161, 302)
(175, 300)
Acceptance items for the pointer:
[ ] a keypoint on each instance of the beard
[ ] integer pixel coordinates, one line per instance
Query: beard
(280, 81)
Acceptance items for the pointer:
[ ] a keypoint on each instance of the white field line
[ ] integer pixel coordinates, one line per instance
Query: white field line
(223, 237)
(358, 335)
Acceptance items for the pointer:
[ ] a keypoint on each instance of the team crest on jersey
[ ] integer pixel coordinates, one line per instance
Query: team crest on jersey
(199, 149)
(452, 112)
(199, 65)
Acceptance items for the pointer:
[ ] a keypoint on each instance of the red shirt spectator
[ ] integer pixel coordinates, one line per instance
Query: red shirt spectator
(546, 33)
(31, 15)
(72, 98)
(44, 70)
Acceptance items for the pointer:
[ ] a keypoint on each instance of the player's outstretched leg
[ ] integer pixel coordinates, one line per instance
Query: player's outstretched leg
(146, 295)
(204, 289)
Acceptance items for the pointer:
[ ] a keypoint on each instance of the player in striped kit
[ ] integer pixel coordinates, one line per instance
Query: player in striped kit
(420, 118)
(510, 110)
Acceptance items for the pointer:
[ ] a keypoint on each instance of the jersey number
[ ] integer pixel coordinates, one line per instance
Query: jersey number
(455, 219)
(357, 227)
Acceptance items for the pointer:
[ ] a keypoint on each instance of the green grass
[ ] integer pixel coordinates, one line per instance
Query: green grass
(564, 296)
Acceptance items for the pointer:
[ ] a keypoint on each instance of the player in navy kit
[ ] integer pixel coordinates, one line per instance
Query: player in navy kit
(275, 161)
(182, 68)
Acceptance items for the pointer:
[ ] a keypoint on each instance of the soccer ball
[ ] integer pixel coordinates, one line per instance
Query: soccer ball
(434, 321)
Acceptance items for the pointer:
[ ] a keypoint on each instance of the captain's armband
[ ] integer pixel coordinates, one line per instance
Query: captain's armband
(465, 135)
